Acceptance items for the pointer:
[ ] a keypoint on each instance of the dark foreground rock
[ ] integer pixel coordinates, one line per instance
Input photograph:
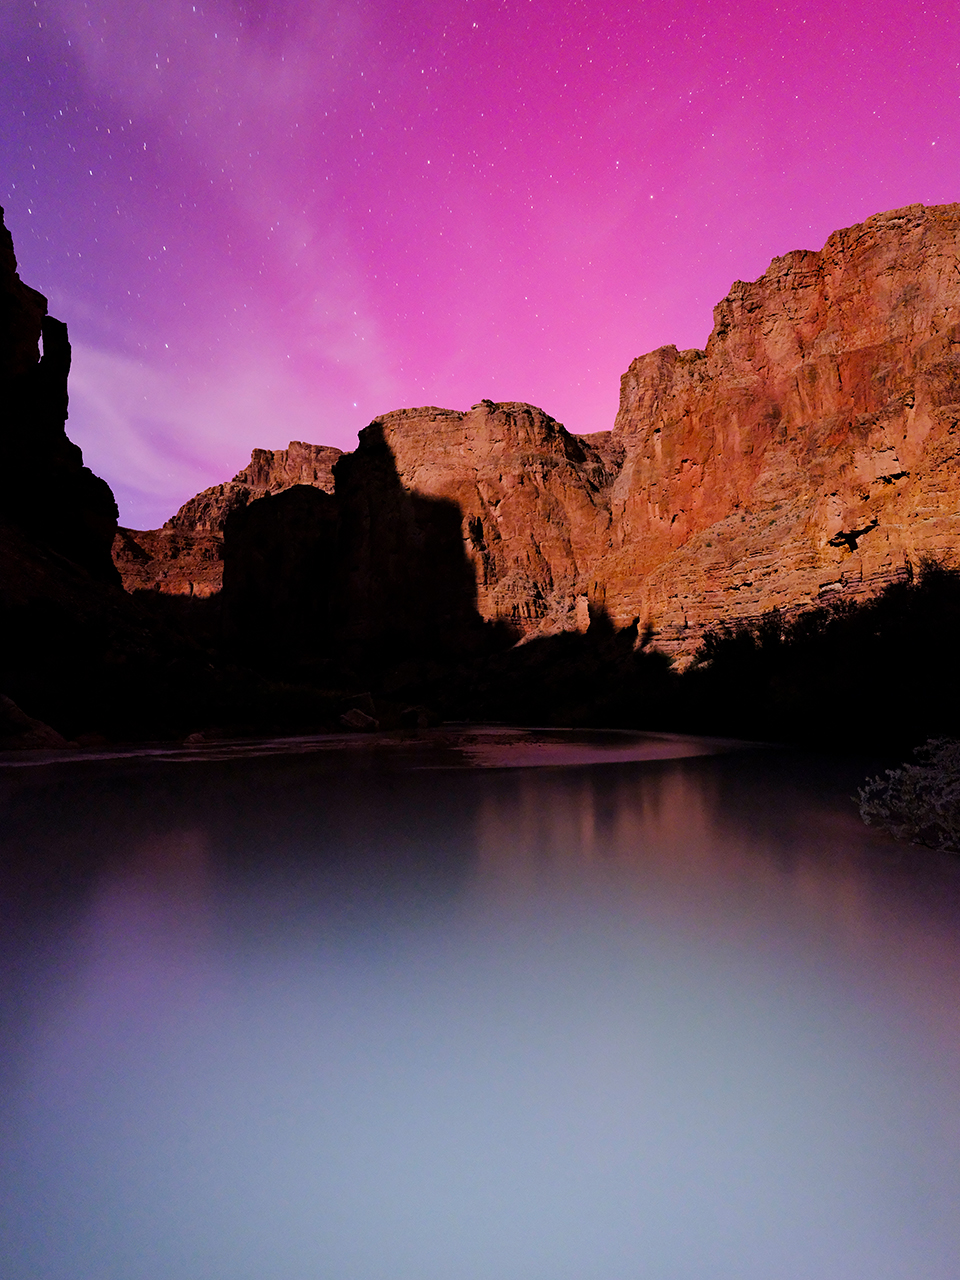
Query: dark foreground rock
(78, 655)
(185, 556)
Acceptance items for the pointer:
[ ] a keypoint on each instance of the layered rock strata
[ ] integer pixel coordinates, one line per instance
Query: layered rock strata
(533, 503)
(185, 557)
(811, 452)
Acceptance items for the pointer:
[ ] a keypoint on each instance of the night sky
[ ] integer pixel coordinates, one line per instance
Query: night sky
(273, 221)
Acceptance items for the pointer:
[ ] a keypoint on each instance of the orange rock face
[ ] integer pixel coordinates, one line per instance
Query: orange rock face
(534, 503)
(185, 557)
(811, 451)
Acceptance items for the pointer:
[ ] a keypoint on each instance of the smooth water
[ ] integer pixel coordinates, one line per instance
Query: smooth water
(369, 1014)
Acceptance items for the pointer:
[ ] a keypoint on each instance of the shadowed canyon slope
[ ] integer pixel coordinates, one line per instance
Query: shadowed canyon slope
(50, 499)
(185, 557)
(77, 652)
(809, 453)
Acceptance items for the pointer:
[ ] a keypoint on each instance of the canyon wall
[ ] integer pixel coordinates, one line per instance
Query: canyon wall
(76, 652)
(185, 556)
(534, 504)
(809, 453)
(50, 497)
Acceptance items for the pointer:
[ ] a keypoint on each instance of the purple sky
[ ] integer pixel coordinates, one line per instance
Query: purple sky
(267, 220)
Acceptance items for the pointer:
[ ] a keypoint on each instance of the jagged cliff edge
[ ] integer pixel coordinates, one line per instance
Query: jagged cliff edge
(809, 453)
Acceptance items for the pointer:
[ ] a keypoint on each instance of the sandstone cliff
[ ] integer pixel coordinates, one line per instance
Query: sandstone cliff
(534, 504)
(810, 452)
(185, 557)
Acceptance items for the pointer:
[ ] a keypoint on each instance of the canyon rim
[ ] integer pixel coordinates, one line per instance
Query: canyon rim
(808, 454)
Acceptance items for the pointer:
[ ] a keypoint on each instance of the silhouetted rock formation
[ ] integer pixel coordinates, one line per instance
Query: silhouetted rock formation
(76, 652)
(50, 495)
(185, 557)
(375, 579)
(407, 589)
(279, 571)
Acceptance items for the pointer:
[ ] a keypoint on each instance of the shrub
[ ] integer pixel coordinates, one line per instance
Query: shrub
(919, 802)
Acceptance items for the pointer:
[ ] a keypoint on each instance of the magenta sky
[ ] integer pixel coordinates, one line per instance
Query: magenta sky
(274, 219)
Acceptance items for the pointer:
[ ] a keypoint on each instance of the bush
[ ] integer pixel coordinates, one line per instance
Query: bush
(919, 802)
(878, 673)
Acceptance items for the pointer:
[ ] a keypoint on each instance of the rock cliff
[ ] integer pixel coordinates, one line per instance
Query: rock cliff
(73, 646)
(811, 452)
(76, 652)
(185, 557)
(51, 496)
(534, 504)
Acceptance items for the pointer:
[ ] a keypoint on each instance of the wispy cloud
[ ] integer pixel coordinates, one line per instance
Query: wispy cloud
(284, 293)
(158, 438)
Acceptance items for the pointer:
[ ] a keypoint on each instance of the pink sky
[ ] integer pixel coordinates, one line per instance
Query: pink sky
(273, 221)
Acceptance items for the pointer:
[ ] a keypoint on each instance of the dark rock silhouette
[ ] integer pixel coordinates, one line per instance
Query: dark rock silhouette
(78, 655)
(372, 584)
(279, 575)
(185, 556)
(406, 590)
(53, 498)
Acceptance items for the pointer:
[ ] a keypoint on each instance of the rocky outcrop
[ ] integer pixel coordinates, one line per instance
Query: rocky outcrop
(811, 452)
(185, 557)
(76, 652)
(406, 588)
(279, 579)
(20, 732)
(50, 496)
(534, 504)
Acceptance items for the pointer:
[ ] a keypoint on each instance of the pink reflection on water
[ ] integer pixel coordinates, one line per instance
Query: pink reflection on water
(811, 882)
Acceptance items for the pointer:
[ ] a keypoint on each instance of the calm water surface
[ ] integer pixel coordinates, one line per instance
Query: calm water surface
(372, 1014)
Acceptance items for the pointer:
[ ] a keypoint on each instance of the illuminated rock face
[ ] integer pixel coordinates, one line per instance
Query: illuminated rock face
(534, 504)
(185, 557)
(811, 452)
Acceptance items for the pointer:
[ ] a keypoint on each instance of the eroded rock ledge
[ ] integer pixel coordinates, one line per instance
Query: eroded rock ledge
(185, 556)
(809, 452)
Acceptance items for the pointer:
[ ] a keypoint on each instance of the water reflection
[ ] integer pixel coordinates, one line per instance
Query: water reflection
(682, 1018)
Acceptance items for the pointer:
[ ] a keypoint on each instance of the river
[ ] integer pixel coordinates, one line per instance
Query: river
(484, 1006)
